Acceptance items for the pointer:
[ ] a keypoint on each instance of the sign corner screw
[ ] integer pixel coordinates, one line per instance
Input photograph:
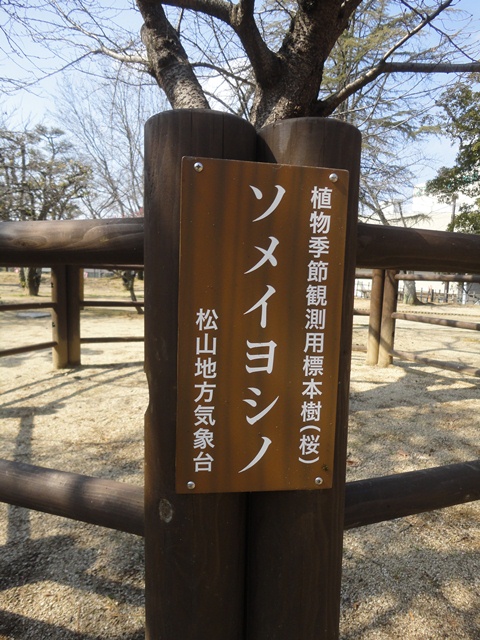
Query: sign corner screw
(318, 481)
(190, 485)
(198, 166)
(333, 177)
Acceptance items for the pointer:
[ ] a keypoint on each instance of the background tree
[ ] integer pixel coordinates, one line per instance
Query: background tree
(279, 55)
(461, 122)
(386, 112)
(365, 61)
(39, 180)
(106, 120)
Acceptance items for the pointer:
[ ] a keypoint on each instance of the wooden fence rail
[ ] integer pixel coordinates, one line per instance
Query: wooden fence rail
(380, 247)
(111, 504)
(66, 305)
(117, 505)
(404, 494)
(383, 317)
(43, 243)
(435, 277)
(26, 306)
(112, 303)
(81, 242)
(441, 322)
(105, 340)
(15, 351)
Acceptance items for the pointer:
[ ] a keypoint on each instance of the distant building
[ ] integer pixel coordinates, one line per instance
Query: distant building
(440, 213)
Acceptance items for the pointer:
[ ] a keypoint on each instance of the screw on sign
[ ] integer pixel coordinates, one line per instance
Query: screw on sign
(261, 272)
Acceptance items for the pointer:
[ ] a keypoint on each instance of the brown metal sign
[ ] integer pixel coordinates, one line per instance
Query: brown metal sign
(261, 272)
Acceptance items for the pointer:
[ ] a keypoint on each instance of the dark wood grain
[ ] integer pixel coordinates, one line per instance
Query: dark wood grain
(74, 286)
(120, 241)
(26, 349)
(403, 494)
(195, 544)
(119, 506)
(416, 249)
(26, 306)
(107, 503)
(59, 316)
(436, 277)
(374, 324)
(387, 325)
(295, 538)
(84, 242)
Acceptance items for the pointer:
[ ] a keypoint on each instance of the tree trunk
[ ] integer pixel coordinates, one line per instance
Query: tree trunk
(128, 279)
(410, 292)
(34, 278)
(31, 279)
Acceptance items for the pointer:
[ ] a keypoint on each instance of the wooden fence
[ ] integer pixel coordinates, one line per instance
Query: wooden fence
(383, 316)
(66, 304)
(235, 535)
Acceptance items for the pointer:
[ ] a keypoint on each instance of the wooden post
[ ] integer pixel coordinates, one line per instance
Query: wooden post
(59, 316)
(74, 287)
(194, 543)
(81, 290)
(295, 538)
(376, 301)
(66, 316)
(387, 328)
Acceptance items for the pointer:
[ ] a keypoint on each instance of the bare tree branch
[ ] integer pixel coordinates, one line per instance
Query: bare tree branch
(328, 106)
(223, 72)
(265, 63)
(214, 8)
(169, 62)
(240, 17)
(290, 47)
(431, 67)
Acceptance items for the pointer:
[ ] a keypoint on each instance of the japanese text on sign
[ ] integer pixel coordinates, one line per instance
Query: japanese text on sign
(261, 277)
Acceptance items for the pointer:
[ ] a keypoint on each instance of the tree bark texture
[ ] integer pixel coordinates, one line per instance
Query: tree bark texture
(33, 280)
(287, 81)
(169, 63)
(387, 326)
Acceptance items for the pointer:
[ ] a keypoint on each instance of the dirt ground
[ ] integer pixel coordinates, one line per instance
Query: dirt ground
(413, 578)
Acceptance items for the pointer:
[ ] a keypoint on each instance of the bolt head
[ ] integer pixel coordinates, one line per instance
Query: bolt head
(190, 485)
(198, 166)
(318, 481)
(333, 177)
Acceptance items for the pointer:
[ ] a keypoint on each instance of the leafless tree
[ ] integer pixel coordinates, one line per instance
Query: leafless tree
(106, 119)
(370, 62)
(40, 179)
(277, 55)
